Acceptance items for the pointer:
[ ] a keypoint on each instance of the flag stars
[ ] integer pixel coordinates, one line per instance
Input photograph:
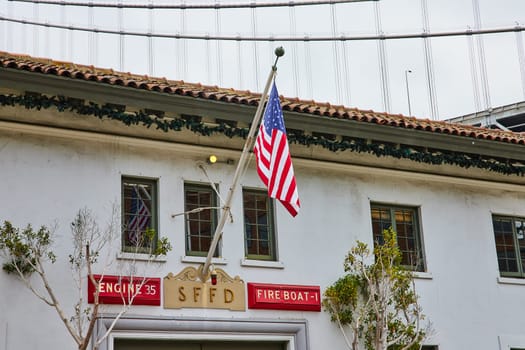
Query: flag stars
(273, 118)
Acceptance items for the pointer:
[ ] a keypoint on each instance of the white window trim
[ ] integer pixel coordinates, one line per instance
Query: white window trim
(202, 260)
(511, 280)
(141, 257)
(292, 332)
(262, 263)
(422, 275)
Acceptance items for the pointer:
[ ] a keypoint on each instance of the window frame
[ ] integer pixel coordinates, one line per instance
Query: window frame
(136, 180)
(420, 266)
(516, 247)
(214, 217)
(272, 231)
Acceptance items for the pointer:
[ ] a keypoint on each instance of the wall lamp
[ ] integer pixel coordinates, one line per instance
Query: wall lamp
(213, 276)
(212, 159)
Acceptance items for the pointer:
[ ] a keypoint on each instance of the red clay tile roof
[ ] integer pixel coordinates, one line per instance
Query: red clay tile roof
(178, 87)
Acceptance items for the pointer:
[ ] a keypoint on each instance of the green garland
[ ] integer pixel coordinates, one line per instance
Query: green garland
(107, 111)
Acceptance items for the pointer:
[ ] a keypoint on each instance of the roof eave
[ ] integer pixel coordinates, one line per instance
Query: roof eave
(144, 99)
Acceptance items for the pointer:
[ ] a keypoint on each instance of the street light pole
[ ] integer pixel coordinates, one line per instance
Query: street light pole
(408, 91)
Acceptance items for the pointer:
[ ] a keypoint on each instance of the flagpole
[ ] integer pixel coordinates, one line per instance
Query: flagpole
(243, 161)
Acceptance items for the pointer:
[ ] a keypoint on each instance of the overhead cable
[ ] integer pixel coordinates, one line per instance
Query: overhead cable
(184, 6)
(255, 54)
(218, 45)
(474, 73)
(151, 67)
(521, 60)
(336, 56)
(36, 40)
(121, 41)
(273, 38)
(481, 56)
(295, 66)
(383, 62)
(429, 64)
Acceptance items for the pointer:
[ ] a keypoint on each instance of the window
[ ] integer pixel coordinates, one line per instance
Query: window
(510, 245)
(139, 214)
(259, 229)
(200, 224)
(403, 220)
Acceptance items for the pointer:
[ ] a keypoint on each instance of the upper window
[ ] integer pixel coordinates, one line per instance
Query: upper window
(510, 245)
(201, 218)
(404, 221)
(139, 215)
(259, 230)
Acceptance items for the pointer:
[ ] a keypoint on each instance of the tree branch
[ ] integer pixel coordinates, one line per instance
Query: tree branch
(338, 319)
(57, 306)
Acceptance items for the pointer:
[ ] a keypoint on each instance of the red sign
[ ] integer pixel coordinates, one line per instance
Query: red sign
(122, 290)
(284, 297)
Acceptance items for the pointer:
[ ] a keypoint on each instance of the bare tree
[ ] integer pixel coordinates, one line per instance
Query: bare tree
(28, 252)
(375, 304)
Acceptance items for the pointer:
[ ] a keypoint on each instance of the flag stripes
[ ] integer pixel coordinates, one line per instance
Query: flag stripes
(272, 154)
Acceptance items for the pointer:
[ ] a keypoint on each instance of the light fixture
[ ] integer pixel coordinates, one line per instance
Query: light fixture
(213, 276)
(212, 159)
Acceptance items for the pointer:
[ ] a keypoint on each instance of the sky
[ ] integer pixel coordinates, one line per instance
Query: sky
(470, 73)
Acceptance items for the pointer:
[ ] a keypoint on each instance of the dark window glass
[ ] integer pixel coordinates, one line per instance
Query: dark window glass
(510, 245)
(259, 236)
(139, 214)
(201, 218)
(404, 221)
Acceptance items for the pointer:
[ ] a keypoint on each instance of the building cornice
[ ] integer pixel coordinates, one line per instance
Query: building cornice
(200, 152)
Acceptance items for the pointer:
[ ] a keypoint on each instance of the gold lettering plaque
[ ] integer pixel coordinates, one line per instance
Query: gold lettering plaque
(187, 290)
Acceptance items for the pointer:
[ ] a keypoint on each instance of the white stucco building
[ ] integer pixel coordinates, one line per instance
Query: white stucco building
(74, 137)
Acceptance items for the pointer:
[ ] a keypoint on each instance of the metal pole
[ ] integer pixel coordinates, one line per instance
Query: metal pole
(243, 161)
(408, 91)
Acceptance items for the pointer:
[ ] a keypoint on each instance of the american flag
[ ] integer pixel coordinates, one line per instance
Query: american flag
(272, 154)
(140, 217)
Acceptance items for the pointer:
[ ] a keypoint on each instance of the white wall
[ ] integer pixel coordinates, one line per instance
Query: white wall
(47, 179)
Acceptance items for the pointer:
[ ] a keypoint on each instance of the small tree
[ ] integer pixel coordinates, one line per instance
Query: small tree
(375, 304)
(29, 253)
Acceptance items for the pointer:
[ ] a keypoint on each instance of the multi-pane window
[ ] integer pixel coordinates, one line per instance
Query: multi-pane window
(510, 245)
(201, 218)
(139, 215)
(404, 221)
(259, 230)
